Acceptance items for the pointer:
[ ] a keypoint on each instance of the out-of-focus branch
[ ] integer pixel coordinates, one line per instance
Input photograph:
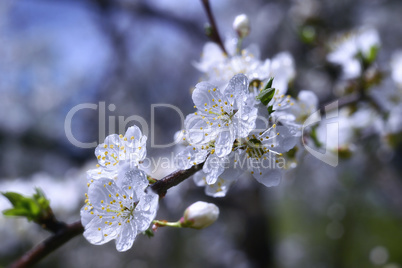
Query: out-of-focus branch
(50, 244)
(64, 232)
(344, 102)
(215, 33)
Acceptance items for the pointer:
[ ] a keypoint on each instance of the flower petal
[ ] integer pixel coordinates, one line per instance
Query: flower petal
(126, 237)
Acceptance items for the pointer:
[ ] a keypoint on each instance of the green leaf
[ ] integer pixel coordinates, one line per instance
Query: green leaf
(149, 233)
(16, 212)
(266, 95)
(14, 198)
(270, 109)
(269, 83)
(372, 55)
(33, 208)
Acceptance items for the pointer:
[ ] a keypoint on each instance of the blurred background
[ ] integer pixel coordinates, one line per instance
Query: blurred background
(129, 54)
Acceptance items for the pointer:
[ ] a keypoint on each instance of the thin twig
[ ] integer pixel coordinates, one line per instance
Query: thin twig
(69, 231)
(215, 33)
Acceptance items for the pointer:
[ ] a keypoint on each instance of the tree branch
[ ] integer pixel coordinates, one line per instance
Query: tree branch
(65, 232)
(215, 33)
(49, 245)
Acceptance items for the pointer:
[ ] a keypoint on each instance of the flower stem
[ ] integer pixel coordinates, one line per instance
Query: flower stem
(215, 33)
(176, 224)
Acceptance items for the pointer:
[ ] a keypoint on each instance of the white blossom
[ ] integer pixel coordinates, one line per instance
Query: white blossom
(221, 117)
(396, 67)
(118, 150)
(219, 67)
(346, 50)
(119, 208)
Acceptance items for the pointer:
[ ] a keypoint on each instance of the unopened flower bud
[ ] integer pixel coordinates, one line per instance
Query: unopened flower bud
(241, 25)
(200, 215)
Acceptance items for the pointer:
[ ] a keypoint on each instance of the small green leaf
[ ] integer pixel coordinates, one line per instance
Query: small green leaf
(270, 109)
(14, 198)
(266, 95)
(269, 83)
(16, 212)
(372, 55)
(149, 233)
(33, 208)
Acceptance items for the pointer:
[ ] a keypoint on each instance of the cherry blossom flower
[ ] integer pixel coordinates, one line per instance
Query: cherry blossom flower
(118, 150)
(119, 208)
(221, 117)
(346, 50)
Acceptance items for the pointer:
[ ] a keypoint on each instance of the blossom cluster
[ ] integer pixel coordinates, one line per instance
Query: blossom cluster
(243, 121)
(119, 204)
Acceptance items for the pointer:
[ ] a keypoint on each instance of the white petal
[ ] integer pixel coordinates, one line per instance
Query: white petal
(146, 210)
(126, 237)
(238, 87)
(109, 151)
(197, 129)
(86, 215)
(270, 178)
(219, 188)
(132, 179)
(224, 142)
(98, 233)
(205, 96)
(214, 167)
(99, 190)
(309, 99)
(200, 178)
(190, 156)
(244, 121)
